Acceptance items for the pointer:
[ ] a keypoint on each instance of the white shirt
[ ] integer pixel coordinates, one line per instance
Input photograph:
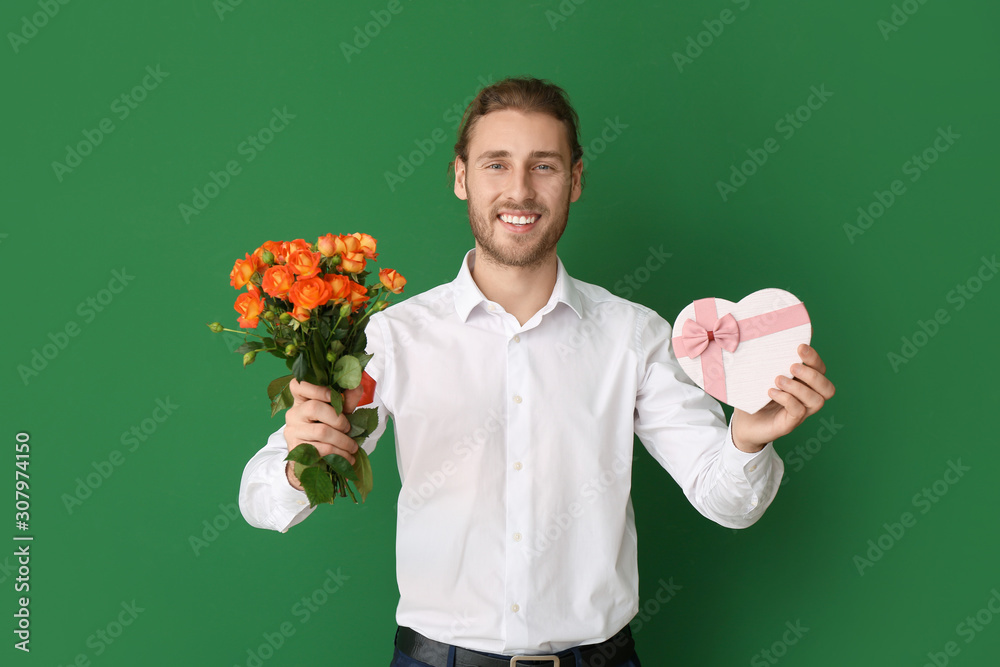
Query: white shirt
(515, 531)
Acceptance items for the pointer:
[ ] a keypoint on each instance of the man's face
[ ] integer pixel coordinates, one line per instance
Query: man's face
(519, 165)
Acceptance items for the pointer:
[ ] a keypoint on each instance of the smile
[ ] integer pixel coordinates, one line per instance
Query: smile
(518, 222)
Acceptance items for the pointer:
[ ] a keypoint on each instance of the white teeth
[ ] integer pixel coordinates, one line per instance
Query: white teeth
(518, 220)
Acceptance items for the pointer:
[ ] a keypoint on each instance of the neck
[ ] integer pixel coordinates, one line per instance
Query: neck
(521, 290)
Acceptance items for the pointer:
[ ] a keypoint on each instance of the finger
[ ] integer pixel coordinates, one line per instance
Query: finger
(352, 397)
(815, 380)
(811, 400)
(796, 411)
(305, 391)
(810, 357)
(319, 411)
(325, 450)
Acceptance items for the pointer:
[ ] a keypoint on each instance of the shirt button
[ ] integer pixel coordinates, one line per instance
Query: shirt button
(753, 467)
(517, 399)
(515, 608)
(517, 339)
(517, 537)
(491, 307)
(517, 466)
(301, 502)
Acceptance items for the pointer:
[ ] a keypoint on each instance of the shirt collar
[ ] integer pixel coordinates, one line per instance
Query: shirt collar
(468, 295)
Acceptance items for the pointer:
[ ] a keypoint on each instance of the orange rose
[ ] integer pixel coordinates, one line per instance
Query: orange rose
(358, 295)
(304, 263)
(327, 245)
(392, 280)
(367, 244)
(278, 280)
(249, 307)
(300, 313)
(352, 258)
(243, 269)
(339, 285)
(275, 248)
(310, 292)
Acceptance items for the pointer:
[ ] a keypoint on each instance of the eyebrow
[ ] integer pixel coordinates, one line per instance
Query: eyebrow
(491, 155)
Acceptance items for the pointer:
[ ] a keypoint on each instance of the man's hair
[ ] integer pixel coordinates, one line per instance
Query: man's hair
(525, 94)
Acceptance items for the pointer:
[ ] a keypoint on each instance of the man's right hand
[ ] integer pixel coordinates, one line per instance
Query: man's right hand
(312, 419)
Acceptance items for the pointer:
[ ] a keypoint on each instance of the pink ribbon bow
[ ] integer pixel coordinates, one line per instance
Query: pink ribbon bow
(696, 337)
(696, 341)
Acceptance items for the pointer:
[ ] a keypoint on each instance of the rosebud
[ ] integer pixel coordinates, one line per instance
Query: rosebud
(381, 305)
(268, 315)
(267, 257)
(335, 260)
(249, 357)
(345, 309)
(291, 350)
(215, 327)
(285, 318)
(331, 357)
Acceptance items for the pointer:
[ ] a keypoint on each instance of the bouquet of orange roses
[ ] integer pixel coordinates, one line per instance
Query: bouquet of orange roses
(315, 305)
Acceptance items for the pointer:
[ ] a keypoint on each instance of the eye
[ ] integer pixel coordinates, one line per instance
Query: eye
(546, 166)
(489, 167)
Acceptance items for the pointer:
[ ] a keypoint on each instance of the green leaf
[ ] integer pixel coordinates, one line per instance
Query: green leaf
(277, 385)
(341, 465)
(339, 333)
(347, 372)
(364, 359)
(247, 347)
(336, 347)
(300, 366)
(282, 401)
(359, 343)
(319, 363)
(318, 486)
(363, 419)
(363, 473)
(305, 454)
(337, 401)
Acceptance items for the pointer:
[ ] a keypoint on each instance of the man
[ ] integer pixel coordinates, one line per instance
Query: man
(515, 392)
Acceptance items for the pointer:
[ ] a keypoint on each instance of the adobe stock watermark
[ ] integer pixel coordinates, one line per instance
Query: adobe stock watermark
(223, 7)
(88, 310)
(900, 14)
(210, 529)
(924, 500)
(303, 610)
(30, 25)
(122, 107)
(802, 454)
(426, 147)
(959, 296)
(558, 523)
(363, 36)
(696, 44)
(609, 134)
(967, 630)
(653, 605)
(419, 493)
(779, 648)
(131, 440)
(915, 167)
(103, 637)
(566, 9)
(249, 149)
(633, 281)
(786, 126)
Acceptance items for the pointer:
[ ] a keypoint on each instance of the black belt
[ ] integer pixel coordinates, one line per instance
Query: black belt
(609, 653)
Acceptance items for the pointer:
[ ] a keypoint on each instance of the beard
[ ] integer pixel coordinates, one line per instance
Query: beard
(516, 250)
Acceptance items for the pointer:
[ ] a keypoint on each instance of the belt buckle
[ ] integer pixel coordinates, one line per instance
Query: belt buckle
(525, 658)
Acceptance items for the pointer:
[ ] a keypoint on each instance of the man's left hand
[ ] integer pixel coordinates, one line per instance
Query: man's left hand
(792, 400)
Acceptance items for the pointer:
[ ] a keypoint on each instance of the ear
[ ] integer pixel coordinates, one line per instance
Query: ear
(576, 174)
(460, 179)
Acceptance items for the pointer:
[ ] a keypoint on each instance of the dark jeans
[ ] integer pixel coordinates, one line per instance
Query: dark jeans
(402, 660)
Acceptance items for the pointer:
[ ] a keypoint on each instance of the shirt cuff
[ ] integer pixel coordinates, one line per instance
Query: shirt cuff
(742, 464)
(289, 502)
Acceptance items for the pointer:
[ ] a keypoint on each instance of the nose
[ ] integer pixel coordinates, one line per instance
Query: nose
(520, 188)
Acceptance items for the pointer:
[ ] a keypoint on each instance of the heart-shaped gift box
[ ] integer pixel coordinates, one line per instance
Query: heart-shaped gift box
(734, 351)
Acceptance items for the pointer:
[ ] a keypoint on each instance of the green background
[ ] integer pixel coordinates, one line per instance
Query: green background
(356, 117)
